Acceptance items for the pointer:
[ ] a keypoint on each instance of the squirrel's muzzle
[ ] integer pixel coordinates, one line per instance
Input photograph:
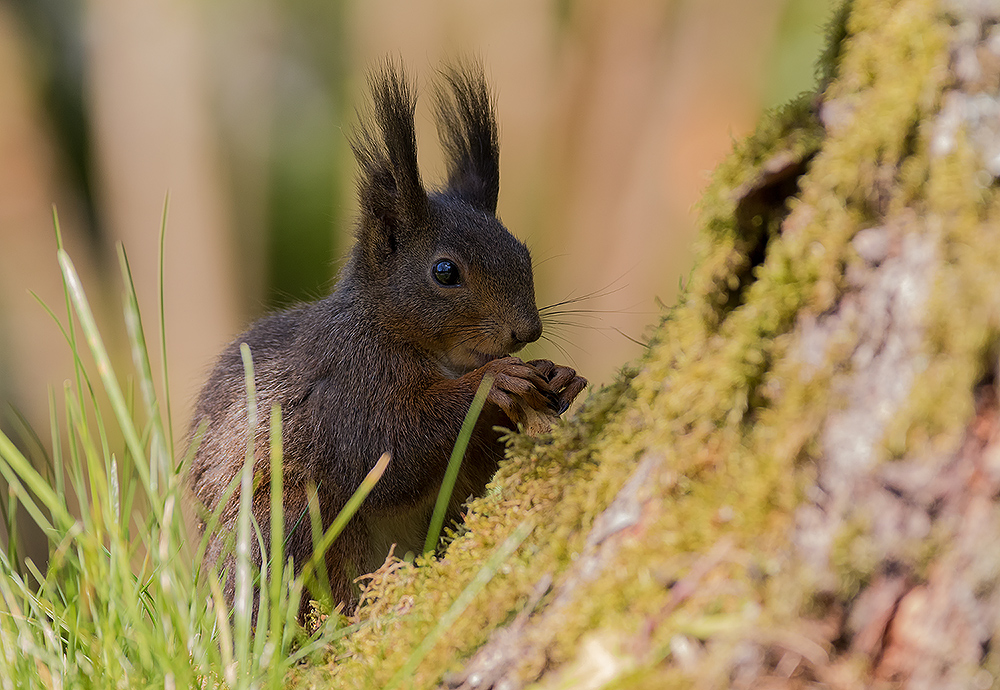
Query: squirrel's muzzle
(526, 332)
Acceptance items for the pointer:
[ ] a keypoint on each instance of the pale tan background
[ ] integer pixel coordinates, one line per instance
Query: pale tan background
(612, 115)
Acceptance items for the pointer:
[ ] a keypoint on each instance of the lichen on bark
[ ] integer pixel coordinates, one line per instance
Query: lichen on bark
(797, 482)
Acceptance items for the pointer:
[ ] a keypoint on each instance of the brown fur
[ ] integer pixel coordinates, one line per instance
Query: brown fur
(391, 359)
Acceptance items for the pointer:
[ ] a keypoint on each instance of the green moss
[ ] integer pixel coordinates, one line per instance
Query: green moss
(836, 31)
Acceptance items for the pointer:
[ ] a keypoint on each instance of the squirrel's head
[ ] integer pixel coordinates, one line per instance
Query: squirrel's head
(438, 269)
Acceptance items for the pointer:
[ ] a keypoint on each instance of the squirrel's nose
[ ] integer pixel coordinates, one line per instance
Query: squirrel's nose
(527, 332)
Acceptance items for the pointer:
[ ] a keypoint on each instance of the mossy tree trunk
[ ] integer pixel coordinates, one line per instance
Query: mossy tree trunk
(798, 483)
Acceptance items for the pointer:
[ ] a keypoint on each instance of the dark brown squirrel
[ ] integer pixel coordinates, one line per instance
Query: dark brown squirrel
(436, 295)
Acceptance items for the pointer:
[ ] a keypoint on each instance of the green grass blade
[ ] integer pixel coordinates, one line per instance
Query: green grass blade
(57, 459)
(212, 518)
(318, 580)
(462, 602)
(30, 440)
(243, 603)
(344, 516)
(93, 462)
(70, 340)
(163, 331)
(140, 358)
(74, 463)
(9, 508)
(70, 330)
(276, 555)
(454, 464)
(16, 467)
(107, 376)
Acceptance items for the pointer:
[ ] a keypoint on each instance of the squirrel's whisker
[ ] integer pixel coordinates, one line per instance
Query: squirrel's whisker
(562, 350)
(596, 294)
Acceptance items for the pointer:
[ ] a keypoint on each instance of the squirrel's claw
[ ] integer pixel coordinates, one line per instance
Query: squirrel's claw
(564, 384)
(572, 389)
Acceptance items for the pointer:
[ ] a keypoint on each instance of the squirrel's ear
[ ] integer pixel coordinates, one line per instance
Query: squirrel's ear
(468, 130)
(392, 196)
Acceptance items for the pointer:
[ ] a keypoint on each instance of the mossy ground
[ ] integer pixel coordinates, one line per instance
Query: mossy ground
(721, 399)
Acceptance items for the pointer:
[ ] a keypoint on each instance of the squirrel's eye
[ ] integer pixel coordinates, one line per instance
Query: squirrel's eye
(446, 273)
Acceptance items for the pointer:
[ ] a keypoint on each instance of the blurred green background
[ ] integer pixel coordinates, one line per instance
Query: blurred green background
(612, 114)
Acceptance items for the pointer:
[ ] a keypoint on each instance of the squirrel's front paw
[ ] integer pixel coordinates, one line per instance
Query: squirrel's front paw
(564, 384)
(532, 394)
(519, 389)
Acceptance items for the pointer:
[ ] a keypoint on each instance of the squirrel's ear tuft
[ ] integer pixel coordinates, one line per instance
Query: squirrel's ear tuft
(391, 194)
(468, 129)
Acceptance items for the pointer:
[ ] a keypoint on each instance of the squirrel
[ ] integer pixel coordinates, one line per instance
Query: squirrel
(436, 295)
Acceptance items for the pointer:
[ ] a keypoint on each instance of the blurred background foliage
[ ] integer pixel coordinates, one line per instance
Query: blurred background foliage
(612, 114)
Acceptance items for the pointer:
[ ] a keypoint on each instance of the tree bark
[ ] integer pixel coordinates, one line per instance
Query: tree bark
(797, 484)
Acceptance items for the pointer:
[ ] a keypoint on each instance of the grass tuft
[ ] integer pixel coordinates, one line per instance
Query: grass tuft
(123, 600)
